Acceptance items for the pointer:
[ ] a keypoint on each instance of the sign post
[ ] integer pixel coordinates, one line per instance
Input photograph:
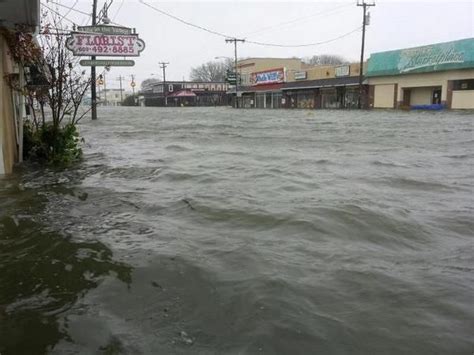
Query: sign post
(104, 41)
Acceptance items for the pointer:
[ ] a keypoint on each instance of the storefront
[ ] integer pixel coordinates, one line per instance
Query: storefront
(433, 76)
(333, 93)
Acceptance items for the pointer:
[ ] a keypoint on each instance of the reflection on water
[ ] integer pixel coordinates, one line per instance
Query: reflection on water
(43, 273)
(220, 231)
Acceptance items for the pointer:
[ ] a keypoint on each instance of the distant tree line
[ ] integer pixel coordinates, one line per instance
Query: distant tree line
(211, 71)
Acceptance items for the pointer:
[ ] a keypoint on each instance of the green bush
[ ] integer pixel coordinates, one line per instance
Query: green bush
(51, 144)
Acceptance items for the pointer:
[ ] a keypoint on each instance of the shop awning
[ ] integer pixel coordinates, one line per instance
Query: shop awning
(321, 83)
(183, 93)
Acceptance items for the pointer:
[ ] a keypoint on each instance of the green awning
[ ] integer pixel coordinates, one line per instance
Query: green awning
(432, 58)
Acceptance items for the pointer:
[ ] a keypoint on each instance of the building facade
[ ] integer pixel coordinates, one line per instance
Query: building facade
(291, 83)
(12, 106)
(435, 76)
(184, 93)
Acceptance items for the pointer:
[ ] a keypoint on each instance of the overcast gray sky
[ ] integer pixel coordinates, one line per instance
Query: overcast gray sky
(394, 24)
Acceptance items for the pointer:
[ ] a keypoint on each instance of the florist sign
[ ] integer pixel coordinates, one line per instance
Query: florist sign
(268, 77)
(104, 44)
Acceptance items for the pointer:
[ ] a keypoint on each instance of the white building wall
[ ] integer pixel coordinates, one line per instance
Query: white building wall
(463, 99)
(384, 95)
(421, 96)
(439, 79)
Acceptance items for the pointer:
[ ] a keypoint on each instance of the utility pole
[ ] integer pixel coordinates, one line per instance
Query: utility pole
(237, 77)
(121, 94)
(105, 91)
(132, 84)
(361, 70)
(163, 66)
(93, 77)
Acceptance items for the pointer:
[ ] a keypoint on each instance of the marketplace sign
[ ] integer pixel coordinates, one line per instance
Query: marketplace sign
(268, 77)
(432, 58)
(92, 43)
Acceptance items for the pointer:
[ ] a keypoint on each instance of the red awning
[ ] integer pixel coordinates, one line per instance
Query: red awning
(183, 93)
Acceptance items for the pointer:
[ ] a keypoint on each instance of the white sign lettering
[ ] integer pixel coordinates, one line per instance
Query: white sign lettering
(268, 77)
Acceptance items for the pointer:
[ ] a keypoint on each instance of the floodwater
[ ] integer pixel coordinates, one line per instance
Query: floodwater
(221, 231)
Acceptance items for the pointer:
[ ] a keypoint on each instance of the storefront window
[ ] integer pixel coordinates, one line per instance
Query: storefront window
(351, 98)
(260, 100)
(305, 99)
(329, 98)
(277, 100)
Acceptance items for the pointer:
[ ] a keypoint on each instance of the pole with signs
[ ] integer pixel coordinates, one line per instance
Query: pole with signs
(103, 41)
(235, 40)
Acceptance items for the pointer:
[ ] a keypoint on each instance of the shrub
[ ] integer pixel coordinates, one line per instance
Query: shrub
(56, 145)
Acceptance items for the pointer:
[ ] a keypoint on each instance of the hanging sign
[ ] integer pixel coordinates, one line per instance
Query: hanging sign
(268, 77)
(96, 43)
(107, 63)
(300, 75)
(343, 70)
(106, 29)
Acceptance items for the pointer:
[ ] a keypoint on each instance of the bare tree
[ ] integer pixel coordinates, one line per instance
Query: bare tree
(211, 71)
(326, 59)
(149, 82)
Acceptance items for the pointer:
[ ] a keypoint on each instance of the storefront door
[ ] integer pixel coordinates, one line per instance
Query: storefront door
(406, 97)
(436, 99)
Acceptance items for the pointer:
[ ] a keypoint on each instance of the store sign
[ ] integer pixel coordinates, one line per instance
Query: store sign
(91, 43)
(432, 58)
(416, 58)
(343, 70)
(106, 29)
(300, 75)
(268, 77)
(107, 63)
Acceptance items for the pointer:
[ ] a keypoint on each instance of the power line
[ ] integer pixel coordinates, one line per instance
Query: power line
(184, 21)
(118, 10)
(299, 19)
(103, 12)
(252, 42)
(306, 44)
(59, 14)
(70, 8)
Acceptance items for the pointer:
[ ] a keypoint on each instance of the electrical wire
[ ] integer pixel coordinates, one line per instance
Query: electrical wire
(71, 8)
(118, 10)
(299, 19)
(252, 42)
(307, 44)
(184, 21)
(104, 10)
(59, 14)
